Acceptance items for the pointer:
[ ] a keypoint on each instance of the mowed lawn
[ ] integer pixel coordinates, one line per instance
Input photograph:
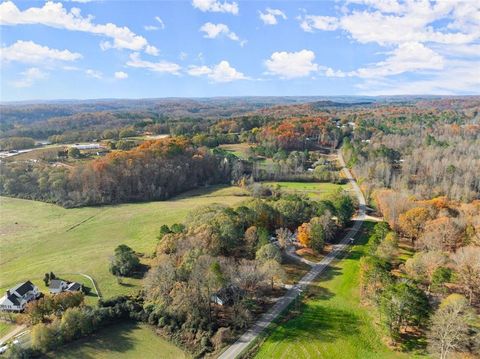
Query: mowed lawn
(315, 190)
(6, 328)
(37, 237)
(125, 341)
(331, 323)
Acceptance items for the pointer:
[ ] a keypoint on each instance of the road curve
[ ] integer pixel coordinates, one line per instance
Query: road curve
(251, 334)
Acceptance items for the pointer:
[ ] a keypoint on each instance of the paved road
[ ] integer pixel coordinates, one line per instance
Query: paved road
(249, 336)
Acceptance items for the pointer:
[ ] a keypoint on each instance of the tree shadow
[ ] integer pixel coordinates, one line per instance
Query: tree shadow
(114, 338)
(411, 342)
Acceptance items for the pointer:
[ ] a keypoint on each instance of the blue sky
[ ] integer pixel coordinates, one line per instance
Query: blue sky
(201, 48)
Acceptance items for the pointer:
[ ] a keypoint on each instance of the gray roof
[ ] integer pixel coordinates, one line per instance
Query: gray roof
(14, 299)
(55, 284)
(74, 286)
(23, 288)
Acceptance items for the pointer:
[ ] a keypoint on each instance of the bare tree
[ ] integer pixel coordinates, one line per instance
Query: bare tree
(449, 330)
(467, 261)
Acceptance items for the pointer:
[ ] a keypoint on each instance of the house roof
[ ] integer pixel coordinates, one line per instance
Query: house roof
(12, 298)
(74, 286)
(23, 288)
(55, 284)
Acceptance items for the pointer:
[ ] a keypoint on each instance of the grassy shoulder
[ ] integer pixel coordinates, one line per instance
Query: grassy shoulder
(6, 328)
(37, 237)
(123, 340)
(330, 322)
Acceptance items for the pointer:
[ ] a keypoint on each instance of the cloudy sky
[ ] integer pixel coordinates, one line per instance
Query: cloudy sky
(199, 48)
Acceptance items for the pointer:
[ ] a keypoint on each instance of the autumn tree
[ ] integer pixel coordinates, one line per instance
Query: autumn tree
(303, 234)
(412, 222)
(449, 331)
(284, 236)
(269, 252)
(388, 248)
(467, 269)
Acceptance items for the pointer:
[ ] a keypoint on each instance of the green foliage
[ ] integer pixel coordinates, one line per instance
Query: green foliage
(269, 252)
(317, 234)
(74, 152)
(177, 228)
(344, 207)
(440, 276)
(16, 143)
(124, 262)
(403, 304)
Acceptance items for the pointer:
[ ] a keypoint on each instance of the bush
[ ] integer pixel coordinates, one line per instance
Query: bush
(222, 337)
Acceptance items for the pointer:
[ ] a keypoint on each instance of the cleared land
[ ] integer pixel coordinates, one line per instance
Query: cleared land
(37, 237)
(315, 190)
(126, 340)
(331, 323)
(241, 150)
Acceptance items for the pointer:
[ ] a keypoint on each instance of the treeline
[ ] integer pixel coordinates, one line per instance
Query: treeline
(16, 143)
(434, 293)
(442, 160)
(156, 170)
(64, 318)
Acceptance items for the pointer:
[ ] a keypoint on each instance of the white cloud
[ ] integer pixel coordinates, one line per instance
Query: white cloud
(120, 75)
(269, 17)
(161, 66)
(216, 6)
(407, 57)
(161, 25)
(93, 74)
(213, 31)
(31, 53)
(152, 50)
(289, 65)
(29, 77)
(222, 72)
(392, 23)
(151, 28)
(310, 22)
(457, 77)
(160, 21)
(436, 41)
(55, 15)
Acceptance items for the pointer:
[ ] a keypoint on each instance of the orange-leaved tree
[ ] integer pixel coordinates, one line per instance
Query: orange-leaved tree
(413, 221)
(303, 234)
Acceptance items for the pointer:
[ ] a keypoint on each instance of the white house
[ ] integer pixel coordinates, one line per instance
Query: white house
(17, 297)
(59, 286)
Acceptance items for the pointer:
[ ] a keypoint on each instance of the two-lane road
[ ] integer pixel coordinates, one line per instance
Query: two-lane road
(251, 334)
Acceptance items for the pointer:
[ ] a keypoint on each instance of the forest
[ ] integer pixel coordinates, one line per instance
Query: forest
(417, 161)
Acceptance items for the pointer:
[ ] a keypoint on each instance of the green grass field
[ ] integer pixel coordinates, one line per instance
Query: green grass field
(126, 341)
(37, 237)
(331, 323)
(241, 150)
(315, 190)
(5, 328)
